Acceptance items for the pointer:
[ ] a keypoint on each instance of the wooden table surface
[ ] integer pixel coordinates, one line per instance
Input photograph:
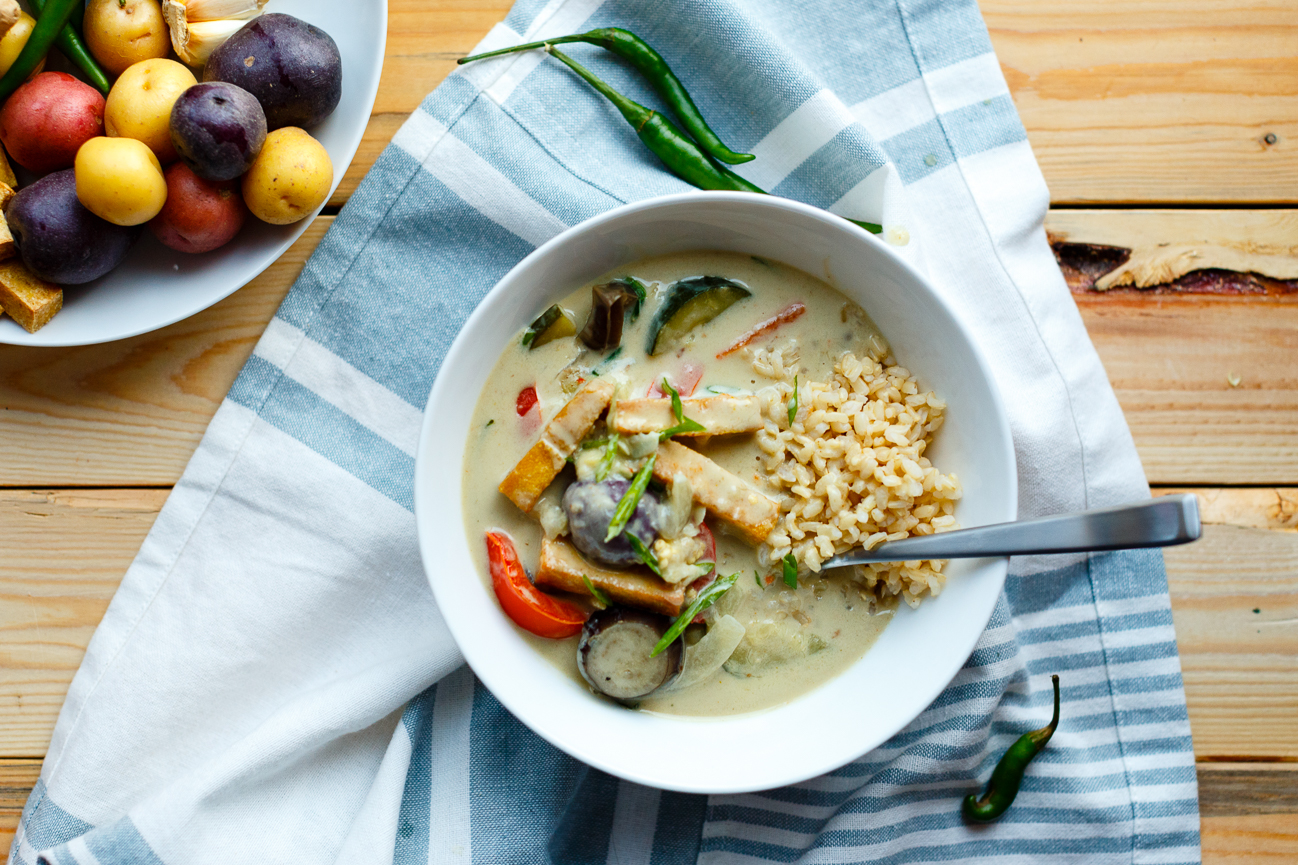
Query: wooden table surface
(1154, 122)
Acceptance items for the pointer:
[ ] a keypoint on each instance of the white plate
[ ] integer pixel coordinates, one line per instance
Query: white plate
(157, 286)
(920, 650)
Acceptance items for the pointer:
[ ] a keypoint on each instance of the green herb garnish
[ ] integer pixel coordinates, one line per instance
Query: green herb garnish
(627, 505)
(610, 453)
(793, 403)
(683, 424)
(646, 555)
(490, 422)
(702, 601)
(595, 593)
(758, 580)
(790, 571)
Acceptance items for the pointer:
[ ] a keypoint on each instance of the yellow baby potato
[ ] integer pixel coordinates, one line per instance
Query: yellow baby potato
(120, 180)
(139, 105)
(290, 178)
(14, 40)
(123, 32)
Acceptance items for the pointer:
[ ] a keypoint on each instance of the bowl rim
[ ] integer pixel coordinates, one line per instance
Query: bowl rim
(350, 145)
(439, 392)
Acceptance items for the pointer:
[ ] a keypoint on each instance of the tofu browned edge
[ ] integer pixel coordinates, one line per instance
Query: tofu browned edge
(724, 494)
(562, 567)
(719, 415)
(544, 460)
(31, 301)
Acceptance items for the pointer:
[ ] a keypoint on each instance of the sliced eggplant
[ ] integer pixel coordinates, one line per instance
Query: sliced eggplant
(550, 325)
(613, 653)
(608, 305)
(688, 304)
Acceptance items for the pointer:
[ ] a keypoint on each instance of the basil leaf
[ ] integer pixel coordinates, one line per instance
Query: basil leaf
(790, 571)
(793, 403)
(595, 593)
(646, 555)
(702, 601)
(627, 505)
(638, 289)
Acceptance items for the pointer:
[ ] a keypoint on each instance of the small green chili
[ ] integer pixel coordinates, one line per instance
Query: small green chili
(674, 148)
(650, 64)
(1008, 774)
(57, 13)
(69, 42)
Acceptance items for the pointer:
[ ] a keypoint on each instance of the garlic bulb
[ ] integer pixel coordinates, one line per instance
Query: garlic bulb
(199, 27)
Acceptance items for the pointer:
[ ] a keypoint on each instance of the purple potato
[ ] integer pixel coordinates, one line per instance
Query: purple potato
(613, 655)
(590, 506)
(218, 129)
(59, 239)
(292, 68)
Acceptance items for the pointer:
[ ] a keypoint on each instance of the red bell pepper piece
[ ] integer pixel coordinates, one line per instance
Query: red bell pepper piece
(529, 607)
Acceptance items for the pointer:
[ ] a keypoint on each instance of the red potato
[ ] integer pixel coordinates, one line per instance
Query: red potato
(200, 215)
(47, 120)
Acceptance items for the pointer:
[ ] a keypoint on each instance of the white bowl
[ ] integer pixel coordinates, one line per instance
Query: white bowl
(920, 650)
(157, 286)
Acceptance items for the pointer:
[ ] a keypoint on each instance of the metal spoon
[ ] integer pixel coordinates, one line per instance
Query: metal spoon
(1161, 522)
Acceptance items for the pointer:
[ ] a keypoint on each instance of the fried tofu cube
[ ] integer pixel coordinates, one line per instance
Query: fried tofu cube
(543, 462)
(31, 301)
(719, 415)
(562, 567)
(6, 193)
(6, 171)
(7, 247)
(724, 494)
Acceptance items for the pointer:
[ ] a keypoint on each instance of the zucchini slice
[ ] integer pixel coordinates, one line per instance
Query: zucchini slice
(690, 303)
(549, 325)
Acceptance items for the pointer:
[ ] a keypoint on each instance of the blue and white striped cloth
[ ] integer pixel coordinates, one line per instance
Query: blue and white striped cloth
(273, 681)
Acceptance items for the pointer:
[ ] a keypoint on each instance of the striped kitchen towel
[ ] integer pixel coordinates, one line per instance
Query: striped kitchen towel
(273, 682)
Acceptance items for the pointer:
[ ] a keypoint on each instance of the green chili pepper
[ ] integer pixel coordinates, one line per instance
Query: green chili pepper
(1008, 774)
(69, 42)
(655, 70)
(674, 148)
(56, 14)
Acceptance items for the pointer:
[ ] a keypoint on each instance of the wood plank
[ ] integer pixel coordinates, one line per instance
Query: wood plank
(1146, 101)
(1207, 383)
(64, 553)
(1276, 227)
(131, 412)
(69, 549)
(1235, 605)
(1248, 814)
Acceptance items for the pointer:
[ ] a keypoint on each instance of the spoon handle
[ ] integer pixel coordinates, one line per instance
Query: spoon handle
(1160, 522)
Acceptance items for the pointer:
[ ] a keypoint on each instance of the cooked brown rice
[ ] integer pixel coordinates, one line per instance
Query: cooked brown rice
(852, 469)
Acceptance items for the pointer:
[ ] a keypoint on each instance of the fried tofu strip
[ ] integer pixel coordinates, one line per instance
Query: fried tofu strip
(724, 494)
(7, 247)
(543, 462)
(6, 171)
(720, 415)
(562, 567)
(31, 301)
